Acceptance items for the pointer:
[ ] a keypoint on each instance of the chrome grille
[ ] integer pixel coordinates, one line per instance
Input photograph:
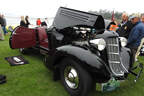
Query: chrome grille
(114, 56)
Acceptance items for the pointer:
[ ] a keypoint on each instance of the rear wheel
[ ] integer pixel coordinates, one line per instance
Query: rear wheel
(75, 79)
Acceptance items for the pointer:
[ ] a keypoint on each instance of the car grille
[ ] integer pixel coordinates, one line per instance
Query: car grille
(114, 56)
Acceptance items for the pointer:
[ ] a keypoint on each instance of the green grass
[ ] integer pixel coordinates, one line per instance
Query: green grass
(31, 79)
(34, 79)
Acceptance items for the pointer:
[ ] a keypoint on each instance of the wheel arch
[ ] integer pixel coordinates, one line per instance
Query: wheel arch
(70, 52)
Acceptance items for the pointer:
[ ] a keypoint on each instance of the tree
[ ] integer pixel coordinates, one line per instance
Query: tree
(107, 14)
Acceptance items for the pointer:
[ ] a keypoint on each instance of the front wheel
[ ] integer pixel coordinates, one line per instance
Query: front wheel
(75, 79)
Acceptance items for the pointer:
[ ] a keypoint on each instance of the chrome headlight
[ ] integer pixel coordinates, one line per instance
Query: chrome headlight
(100, 43)
(123, 41)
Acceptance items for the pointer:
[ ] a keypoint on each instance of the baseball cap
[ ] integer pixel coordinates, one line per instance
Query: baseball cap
(134, 15)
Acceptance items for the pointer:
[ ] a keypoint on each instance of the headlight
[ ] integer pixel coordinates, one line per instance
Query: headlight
(123, 41)
(100, 43)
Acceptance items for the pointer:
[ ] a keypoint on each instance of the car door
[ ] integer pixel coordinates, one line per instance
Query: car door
(23, 37)
(43, 38)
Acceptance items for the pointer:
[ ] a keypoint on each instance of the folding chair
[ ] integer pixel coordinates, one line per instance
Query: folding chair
(139, 48)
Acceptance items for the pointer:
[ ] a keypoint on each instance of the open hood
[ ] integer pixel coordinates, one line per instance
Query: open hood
(66, 17)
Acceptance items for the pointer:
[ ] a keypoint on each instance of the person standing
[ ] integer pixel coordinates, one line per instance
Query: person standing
(126, 26)
(136, 34)
(47, 22)
(27, 21)
(140, 50)
(4, 25)
(142, 18)
(38, 22)
(44, 24)
(1, 33)
(1, 30)
(124, 18)
(112, 26)
(23, 22)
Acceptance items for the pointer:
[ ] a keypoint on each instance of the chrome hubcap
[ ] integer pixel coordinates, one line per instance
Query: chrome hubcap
(71, 77)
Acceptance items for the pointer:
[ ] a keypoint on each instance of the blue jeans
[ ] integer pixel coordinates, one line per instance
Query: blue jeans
(4, 29)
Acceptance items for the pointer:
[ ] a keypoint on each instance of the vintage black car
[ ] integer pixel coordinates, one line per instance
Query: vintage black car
(78, 50)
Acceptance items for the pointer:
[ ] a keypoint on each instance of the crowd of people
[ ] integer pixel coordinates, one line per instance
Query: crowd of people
(25, 22)
(132, 28)
(42, 23)
(3, 30)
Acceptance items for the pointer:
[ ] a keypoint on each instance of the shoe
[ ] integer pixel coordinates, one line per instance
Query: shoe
(2, 79)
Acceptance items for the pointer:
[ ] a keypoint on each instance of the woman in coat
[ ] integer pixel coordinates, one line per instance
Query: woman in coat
(23, 22)
(27, 21)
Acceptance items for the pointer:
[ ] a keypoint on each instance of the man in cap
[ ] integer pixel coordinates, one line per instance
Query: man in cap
(142, 18)
(136, 34)
(140, 50)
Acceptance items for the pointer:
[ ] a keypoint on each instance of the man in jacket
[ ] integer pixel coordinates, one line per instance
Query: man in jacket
(142, 18)
(136, 34)
(126, 26)
(140, 50)
(124, 18)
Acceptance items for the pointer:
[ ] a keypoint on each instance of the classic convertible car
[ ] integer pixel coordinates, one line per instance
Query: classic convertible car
(78, 49)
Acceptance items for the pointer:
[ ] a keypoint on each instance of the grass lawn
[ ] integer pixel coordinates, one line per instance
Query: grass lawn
(34, 79)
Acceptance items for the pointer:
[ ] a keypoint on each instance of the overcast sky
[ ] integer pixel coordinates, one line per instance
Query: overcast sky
(48, 8)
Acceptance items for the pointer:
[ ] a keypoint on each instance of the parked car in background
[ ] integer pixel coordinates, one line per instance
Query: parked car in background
(78, 50)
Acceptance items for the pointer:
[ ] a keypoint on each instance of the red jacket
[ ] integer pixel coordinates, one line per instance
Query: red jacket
(38, 22)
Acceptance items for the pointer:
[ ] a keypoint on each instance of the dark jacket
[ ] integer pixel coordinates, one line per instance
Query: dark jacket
(125, 29)
(43, 23)
(2, 21)
(22, 23)
(27, 22)
(135, 36)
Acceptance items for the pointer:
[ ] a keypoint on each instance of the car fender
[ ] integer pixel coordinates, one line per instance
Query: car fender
(84, 56)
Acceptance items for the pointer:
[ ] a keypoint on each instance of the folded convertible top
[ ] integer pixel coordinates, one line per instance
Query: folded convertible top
(66, 17)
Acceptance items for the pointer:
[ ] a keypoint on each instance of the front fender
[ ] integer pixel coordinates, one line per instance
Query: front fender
(85, 56)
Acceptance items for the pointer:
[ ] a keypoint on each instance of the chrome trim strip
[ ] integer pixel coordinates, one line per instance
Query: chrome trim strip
(113, 53)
